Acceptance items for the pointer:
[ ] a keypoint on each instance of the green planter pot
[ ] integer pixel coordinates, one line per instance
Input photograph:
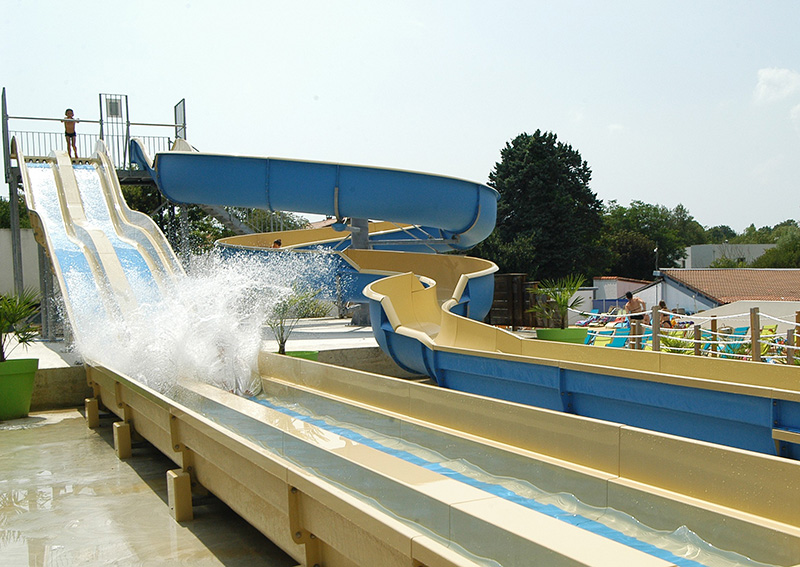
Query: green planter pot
(575, 335)
(16, 387)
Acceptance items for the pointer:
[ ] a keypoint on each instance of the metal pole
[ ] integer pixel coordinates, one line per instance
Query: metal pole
(100, 96)
(16, 241)
(127, 135)
(359, 237)
(183, 220)
(47, 300)
(6, 141)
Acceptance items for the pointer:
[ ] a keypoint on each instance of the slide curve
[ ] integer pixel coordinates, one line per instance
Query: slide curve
(462, 212)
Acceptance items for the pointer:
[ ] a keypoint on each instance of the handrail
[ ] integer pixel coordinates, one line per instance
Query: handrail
(52, 119)
(48, 119)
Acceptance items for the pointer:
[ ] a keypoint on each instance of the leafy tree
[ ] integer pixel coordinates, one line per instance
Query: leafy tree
(632, 254)
(753, 235)
(203, 230)
(548, 218)
(786, 253)
(725, 262)
(5, 213)
(668, 230)
(690, 231)
(287, 312)
(719, 234)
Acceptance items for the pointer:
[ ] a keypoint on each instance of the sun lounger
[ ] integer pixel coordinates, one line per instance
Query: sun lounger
(620, 339)
(594, 315)
(603, 337)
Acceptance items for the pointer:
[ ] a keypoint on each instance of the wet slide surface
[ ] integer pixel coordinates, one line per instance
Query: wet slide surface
(108, 259)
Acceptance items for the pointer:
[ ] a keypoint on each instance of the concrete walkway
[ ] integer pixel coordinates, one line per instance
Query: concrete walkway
(65, 499)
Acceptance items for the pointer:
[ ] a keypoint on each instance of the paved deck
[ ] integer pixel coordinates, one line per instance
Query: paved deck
(65, 499)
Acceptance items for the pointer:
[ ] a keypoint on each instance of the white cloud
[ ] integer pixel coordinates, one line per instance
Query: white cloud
(795, 116)
(776, 84)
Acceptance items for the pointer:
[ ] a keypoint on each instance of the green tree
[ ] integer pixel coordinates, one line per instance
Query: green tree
(671, 231)
(719, 234)
(725, 262)
(753, 235)
(786, 253)
(631, 254)
(203, 230)
(548, 218)
(5, 214)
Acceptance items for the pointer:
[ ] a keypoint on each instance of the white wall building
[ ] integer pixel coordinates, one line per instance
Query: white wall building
(703, 255)
(30, 260)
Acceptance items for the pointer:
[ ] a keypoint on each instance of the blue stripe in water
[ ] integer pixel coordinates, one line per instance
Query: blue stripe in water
(504, 493)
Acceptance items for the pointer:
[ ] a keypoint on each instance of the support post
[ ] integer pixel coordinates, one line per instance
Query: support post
(697, 340)
(359, 236)
(656, 320)
(16, 240)
(789, 344)
(300, 535)
(714, 345)
(179, 493)
(122, 439)
(636, 343)
(755, 335)
(92, 413)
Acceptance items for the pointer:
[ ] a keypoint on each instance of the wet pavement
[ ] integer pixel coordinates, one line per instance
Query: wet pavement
(66, 499)
(327, 333)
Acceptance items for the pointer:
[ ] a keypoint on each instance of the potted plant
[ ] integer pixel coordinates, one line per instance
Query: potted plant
(17, 376)
(559, 297)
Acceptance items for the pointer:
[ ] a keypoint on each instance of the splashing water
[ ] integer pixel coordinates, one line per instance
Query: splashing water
(205, 326)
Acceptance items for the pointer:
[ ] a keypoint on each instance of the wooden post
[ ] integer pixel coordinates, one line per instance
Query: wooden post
(122, 439)
(789, 345)
(714, 336)
(697, 340)
(656, 320)
(179, 495)
(755, 335)
(636, 343)
(92, 413)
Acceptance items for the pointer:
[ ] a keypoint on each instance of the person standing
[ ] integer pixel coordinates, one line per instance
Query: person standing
(69, 132)
(636, 307)
(666, 318)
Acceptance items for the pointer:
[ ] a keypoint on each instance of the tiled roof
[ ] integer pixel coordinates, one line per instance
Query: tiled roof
(729, 285)
(620, 279)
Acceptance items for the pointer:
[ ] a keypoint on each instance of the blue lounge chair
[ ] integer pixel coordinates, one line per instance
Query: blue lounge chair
(620, 339)
(592, 337)
(736, 340)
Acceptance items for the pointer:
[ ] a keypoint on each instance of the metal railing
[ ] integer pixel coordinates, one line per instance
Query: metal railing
(42, 143)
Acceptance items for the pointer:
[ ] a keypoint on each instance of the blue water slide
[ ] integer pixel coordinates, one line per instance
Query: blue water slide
(464, 212)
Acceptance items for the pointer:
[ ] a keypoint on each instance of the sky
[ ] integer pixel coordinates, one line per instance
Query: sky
(682, 102)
